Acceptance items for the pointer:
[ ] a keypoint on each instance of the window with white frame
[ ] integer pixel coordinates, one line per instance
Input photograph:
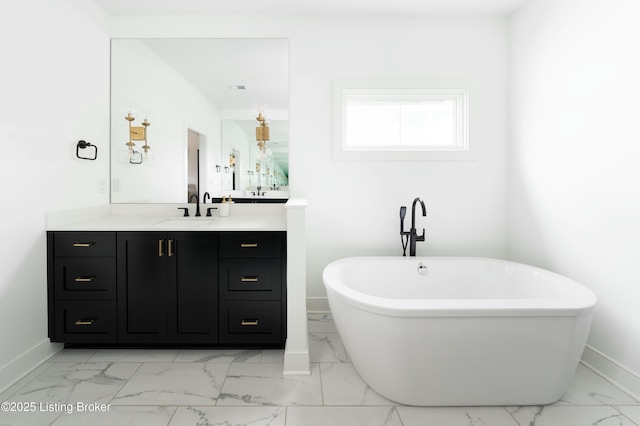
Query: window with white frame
(407, 120)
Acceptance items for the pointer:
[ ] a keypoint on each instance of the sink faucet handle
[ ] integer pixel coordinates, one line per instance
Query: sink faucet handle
(186, 211)
(209, 210)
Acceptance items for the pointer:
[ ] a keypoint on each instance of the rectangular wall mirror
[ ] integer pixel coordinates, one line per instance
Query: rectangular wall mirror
(184, 117)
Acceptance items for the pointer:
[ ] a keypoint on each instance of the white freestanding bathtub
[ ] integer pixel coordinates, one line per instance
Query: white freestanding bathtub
(455, 331)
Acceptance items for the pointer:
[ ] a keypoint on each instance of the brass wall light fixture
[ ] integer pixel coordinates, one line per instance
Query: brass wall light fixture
(232, 158)
(137, 133)
(262, 136)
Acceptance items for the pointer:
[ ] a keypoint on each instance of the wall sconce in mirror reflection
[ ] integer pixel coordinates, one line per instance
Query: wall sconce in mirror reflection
(232, 159)
(131, 153)
(84, 145)
(262, 135)
(263, 154)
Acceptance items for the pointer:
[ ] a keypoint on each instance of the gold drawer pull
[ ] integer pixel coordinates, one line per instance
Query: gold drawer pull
(160, 245)
(84, 279)
(85, 321)
(83, 244)
(170, 248)
(249, 245)
(249, 279)
(247, 323)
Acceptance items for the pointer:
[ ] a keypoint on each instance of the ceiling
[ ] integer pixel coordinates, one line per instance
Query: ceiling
(383, 8)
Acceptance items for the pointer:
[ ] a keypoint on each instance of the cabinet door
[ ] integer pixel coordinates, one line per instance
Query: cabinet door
(251, 323)
(85, 278)
(252, 244)
(193, 287)
(85, 321)
(84, 244)
(247, 278)
(142, 287)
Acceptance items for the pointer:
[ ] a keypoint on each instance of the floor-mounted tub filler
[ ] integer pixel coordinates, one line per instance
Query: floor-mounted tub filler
(459, 331)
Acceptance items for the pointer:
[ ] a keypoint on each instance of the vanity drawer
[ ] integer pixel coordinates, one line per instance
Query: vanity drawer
(85, 278)
(251, 322)
(86, 322)
(250, 279)
(252, 244)
(84, 244)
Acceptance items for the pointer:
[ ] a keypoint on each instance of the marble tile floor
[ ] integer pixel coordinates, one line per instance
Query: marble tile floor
(246, 387)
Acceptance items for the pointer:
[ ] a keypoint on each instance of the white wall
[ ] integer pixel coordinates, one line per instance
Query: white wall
(354, 206)
(573, 154)
(54, 86)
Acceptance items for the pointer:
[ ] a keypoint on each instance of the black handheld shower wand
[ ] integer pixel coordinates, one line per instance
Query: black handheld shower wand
(404, 236)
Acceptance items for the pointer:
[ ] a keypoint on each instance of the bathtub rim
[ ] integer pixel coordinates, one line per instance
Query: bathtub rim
(584, 304)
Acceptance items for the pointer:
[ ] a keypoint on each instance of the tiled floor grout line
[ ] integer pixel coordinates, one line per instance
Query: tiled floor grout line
(226, 376)
(615, 407)
(321, 386)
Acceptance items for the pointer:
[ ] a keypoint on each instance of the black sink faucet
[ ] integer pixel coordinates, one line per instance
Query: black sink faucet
(197, 203)
(204, 198)
(411, 237)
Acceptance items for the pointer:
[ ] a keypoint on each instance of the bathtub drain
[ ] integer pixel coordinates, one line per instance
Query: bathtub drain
(422, 269)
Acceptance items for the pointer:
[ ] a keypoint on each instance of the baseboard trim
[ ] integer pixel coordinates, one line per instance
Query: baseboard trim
(26, 363)
(617, 374)
(317, 305)
(296, 364)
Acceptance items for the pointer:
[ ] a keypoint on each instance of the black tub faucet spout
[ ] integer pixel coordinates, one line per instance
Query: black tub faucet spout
(414, 237)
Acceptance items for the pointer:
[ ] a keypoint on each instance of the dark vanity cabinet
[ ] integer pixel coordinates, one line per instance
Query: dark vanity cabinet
(252, 307)
(82, 296)
(167, 288)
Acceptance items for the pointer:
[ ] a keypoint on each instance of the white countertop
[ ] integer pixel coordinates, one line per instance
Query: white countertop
(117, 220)
(163, 223)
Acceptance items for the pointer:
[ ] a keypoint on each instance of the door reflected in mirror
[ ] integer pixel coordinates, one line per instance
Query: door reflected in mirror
(209, 92)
